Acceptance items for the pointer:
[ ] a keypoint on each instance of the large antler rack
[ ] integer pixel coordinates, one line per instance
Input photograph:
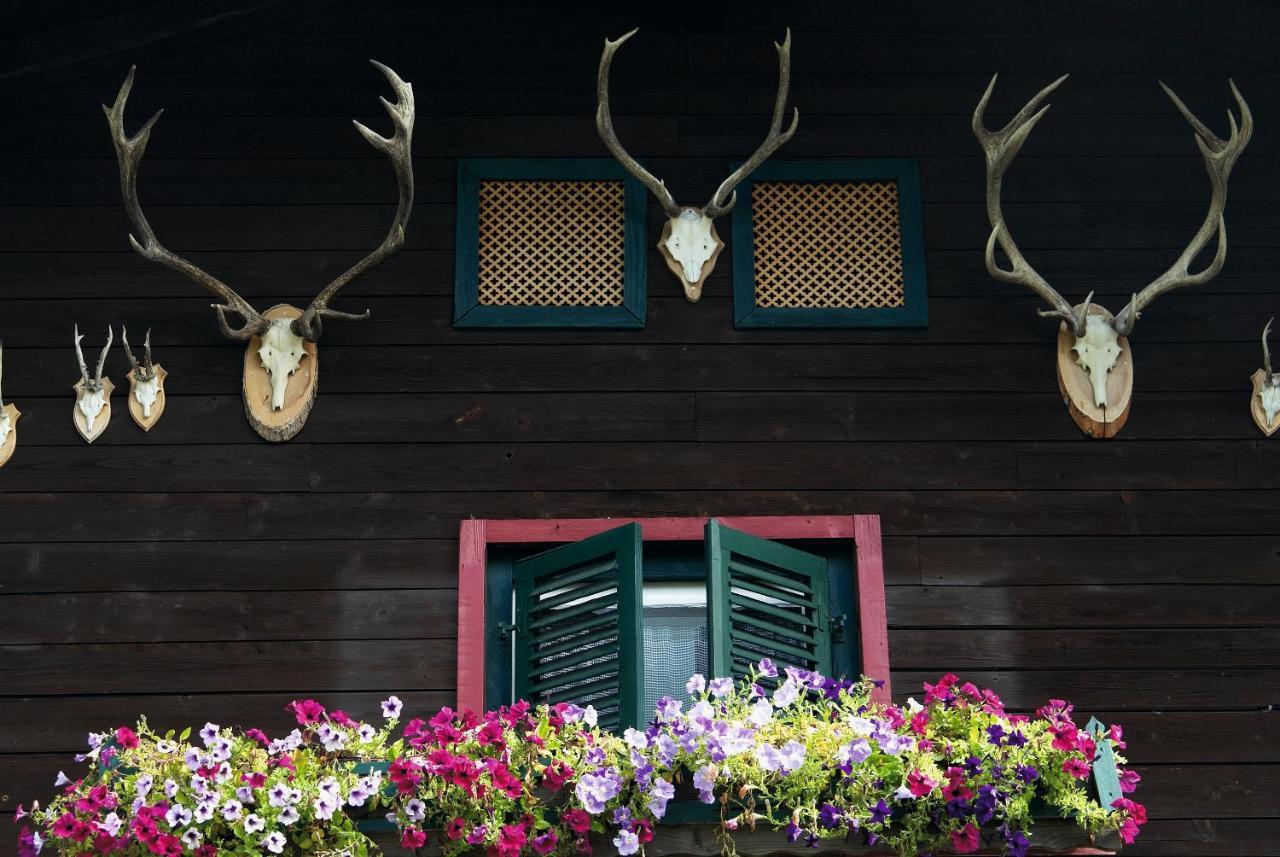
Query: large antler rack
(129, 152)
(1002, 146)
(397, 148)
(717, 205)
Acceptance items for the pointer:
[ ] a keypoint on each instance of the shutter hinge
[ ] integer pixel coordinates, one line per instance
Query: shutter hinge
(837, 627)
(505, 630)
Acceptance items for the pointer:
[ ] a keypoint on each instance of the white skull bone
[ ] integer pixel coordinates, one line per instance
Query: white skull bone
(1270, 396)
(1097, 352)
(691, 243)
(5, 425)
(90, 403)
(281, 353)
(146, 392)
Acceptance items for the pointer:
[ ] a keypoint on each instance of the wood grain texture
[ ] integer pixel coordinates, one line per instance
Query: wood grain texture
(195, 572)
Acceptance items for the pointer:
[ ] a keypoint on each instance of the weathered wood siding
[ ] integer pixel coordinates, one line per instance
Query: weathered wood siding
(197, 572)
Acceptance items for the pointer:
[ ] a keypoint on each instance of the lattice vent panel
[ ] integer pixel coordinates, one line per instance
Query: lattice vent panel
(827, 245)
(551, 243)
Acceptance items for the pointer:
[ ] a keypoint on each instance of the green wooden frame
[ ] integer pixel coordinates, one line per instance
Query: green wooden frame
(467, 311)
(906, 174)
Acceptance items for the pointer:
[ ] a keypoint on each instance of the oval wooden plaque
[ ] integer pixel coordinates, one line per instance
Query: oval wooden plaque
(1077, 392)
(300, 393)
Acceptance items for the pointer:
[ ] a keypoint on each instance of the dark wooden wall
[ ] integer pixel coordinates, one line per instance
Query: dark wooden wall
(197, 572)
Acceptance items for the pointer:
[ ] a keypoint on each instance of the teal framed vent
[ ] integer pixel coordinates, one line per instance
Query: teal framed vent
(549, 243)
(835, 243)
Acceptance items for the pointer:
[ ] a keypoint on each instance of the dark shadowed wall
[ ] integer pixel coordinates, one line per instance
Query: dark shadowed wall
(198, 572)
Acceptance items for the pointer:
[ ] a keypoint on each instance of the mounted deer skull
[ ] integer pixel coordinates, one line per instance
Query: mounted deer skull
(279, 389)
(689, 242)
(8, 419)
(146, 384)
(1095, 370)
(1265, 402)
(93, 395)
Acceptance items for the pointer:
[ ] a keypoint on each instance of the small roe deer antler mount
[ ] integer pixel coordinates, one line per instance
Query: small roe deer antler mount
(92, 411)
(279, 387)
(8, 419)
(689, 242)
(1264, 404)
(1095, 369)
(146, 384)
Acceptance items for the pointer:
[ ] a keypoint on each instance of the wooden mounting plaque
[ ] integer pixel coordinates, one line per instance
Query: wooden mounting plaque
(11, 441)
(104, 415)
(300, 392)
(157, 407)
(692, 291)
(1255, 405)
(1077, 392)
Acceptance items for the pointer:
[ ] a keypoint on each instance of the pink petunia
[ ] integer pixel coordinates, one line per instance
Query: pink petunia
(306, 711)
(126, 738)
(1129, 780)
(413, 838)
(1076, 768)
(965, 839)
(919, 784)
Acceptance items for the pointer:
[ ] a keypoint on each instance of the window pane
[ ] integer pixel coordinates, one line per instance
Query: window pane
(675, 639)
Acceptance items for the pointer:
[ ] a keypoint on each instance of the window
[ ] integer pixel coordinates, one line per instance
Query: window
(830, 244)
(618, 613)
(549, 243)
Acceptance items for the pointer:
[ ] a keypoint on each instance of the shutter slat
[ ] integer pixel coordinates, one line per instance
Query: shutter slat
(749, 570)
(543, 605)
(545, 654)
(558, 679)
(773, 594)
(607, 566)
(578, 631)
(766, 644)
(755, 604)
(592, 606)
(791, 627)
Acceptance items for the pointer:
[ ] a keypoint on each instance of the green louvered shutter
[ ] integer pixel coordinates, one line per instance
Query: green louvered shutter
(765, 599)
(579, 635)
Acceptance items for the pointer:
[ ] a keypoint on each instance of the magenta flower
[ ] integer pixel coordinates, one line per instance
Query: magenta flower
(1076, 768)
(965, 839)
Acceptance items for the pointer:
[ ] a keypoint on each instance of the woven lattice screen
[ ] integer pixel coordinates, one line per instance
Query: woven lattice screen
(551, 243)
(827, 244)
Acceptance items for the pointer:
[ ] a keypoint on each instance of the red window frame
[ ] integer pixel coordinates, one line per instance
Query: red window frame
(475, 536)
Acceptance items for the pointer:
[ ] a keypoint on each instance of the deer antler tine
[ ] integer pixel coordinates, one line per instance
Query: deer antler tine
(1202, 131)
(84, 369)
(146, 345)
(1219, 159)
(1081, 319)
(775, 139)
(102, 358)
(1266, 351)
(128, 352)
(604, 127)
(397, 148)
